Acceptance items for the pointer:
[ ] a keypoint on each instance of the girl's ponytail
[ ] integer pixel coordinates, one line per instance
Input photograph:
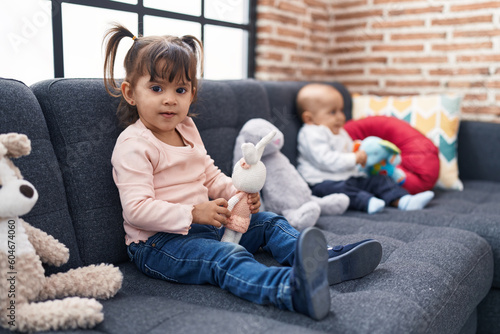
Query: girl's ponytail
(197, 47)
(112, 38)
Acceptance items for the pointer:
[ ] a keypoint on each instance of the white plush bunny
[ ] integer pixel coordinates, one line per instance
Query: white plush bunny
(249, 176)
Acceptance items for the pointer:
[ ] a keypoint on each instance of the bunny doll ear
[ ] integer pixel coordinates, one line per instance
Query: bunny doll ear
(250, 153)
(261, 145)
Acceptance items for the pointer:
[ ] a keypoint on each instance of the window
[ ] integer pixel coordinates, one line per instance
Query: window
(26, 53)
(63, 38)
(224, 48)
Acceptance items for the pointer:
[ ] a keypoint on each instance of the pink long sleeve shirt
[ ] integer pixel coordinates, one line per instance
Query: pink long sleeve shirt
(159, 184)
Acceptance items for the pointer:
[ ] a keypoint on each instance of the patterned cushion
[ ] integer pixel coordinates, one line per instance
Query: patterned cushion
(436, 116)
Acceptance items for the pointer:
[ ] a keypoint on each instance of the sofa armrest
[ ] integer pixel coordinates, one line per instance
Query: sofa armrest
(478, 151)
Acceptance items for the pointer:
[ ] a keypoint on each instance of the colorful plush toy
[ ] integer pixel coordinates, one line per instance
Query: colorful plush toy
(383, 158)
(285, 192)
(24, 286)
(249, 176)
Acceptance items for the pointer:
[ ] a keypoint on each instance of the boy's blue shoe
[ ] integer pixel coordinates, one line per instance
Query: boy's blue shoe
(353, 261)
(309, 281)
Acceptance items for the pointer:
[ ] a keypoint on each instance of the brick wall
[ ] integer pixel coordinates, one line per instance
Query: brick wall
(387, 47)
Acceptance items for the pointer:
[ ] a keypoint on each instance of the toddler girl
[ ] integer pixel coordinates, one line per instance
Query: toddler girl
(165, 179)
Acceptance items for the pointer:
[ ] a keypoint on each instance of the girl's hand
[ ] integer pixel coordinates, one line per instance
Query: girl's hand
(213, 213)
(254, 202)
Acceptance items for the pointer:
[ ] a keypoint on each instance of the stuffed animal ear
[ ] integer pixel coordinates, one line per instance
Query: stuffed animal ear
(16, 144)
(250, 153)
(390, 146)
(261, 145)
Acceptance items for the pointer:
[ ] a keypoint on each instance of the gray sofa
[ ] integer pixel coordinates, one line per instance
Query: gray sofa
(437, 272)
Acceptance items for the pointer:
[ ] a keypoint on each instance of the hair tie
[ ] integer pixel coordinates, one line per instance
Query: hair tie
(134, 37)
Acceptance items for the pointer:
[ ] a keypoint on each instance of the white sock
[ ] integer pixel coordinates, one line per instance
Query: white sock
(375, 205)
(415, 202)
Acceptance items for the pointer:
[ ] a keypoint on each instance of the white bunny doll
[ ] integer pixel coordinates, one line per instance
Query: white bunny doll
(249, 176)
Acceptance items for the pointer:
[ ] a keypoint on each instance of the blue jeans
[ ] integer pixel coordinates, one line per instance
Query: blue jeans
(200, 257)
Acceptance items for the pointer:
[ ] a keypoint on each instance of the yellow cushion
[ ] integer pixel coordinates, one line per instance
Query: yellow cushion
(436, 116)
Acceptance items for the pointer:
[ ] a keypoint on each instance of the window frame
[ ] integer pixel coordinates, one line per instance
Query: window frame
(141, 11)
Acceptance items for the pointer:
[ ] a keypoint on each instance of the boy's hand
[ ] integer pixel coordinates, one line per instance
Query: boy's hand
(254, 202)
(361, 157)
(213, 213)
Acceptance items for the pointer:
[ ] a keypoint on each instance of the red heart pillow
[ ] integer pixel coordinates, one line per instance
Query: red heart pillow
(419, 155)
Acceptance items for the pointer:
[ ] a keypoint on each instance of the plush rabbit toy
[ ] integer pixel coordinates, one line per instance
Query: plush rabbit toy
(249, 176)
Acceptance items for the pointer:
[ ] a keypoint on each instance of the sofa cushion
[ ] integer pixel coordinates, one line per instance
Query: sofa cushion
(426, 273)
(477, 143)
(81, 119)
(419, 156)
(160, 314)
(488, 312)
(474, 209)
(222, 108)
(429, 281)
(20, 112)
